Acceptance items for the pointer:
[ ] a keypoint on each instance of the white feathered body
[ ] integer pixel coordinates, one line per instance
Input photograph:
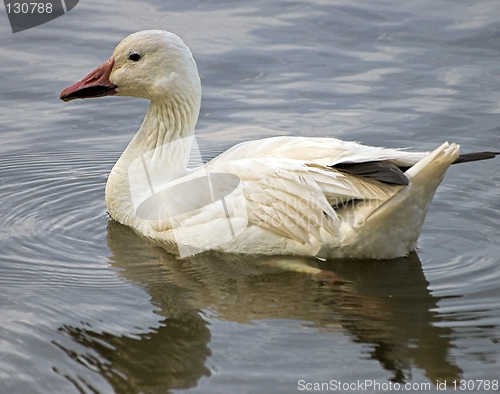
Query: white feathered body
(273, 196)
(295, 202)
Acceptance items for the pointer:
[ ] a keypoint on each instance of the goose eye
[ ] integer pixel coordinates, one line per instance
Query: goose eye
(134, 56)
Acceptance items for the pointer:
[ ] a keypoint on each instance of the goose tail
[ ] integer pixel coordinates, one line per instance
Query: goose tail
(396, 224)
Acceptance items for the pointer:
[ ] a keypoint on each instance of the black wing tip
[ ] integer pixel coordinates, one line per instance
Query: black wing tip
(475, 156)
(393, 175)
(378, 170)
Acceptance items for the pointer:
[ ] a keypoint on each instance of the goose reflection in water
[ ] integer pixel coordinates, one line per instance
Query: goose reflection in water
(386, 305)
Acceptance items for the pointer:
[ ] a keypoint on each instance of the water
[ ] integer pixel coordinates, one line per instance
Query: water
(86, 306)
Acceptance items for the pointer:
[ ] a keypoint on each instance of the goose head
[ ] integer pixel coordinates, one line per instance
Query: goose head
(151, 64)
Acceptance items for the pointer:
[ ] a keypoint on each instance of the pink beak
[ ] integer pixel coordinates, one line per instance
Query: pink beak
(96, 84)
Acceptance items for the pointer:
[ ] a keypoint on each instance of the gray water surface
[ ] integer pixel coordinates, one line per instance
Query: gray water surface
(87, 306)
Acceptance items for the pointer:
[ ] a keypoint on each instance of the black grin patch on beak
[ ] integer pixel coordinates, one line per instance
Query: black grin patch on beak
(90, 92)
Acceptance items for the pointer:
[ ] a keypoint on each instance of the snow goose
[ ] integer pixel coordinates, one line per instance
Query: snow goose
(318, 197)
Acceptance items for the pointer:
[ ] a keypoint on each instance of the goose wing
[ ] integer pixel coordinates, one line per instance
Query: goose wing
(298, 199)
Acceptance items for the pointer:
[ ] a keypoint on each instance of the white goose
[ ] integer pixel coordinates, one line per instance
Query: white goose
(286, 195)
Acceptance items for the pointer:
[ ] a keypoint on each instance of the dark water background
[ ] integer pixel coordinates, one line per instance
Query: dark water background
(86, 306)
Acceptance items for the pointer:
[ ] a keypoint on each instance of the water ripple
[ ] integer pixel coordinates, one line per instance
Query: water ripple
(52, 215)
